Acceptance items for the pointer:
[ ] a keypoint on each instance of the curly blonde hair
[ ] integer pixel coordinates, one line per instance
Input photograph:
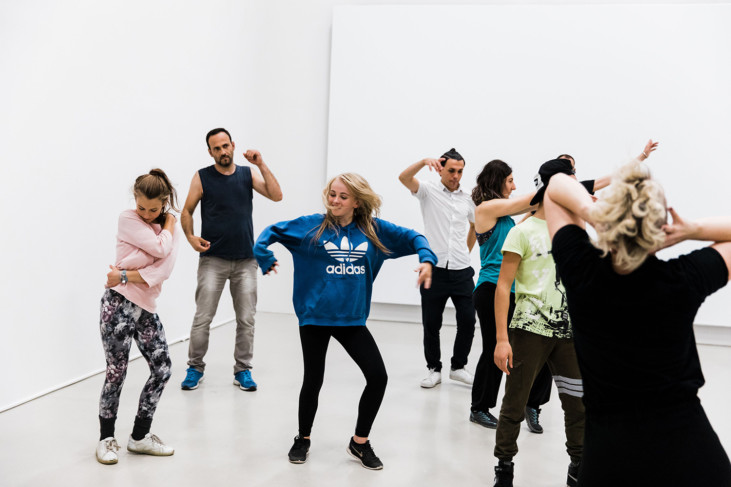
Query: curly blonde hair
(629, 216)
(369, 205)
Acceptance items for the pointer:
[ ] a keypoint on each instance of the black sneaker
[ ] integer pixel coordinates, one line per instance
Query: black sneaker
(504, 474)
(483, 418)
(364, 453)
(299, 451)
(531, 418)
(573, 475)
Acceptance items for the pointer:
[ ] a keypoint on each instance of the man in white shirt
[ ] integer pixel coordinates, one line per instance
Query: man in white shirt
(449, 216)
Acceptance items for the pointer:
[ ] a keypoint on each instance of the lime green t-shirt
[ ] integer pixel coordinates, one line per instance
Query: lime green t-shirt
(540, 298)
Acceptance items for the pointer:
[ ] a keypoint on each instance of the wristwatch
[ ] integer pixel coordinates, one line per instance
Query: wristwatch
(124, 277)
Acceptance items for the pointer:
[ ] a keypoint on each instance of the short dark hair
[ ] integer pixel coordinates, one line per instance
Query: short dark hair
(566, 156)
(490, 181)
(452, 154)
(214, 132)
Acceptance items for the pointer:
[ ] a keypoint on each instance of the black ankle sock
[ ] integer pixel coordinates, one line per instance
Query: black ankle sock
(141, 428)
(106, 427)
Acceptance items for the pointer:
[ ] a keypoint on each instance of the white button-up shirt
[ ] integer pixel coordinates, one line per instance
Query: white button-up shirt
(447, 216)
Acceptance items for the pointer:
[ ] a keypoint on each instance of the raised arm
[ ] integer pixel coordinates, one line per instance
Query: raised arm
(566, 203)
(408, 176)
(266, 184)
(503, 351)
(488, 212)
(714, 229)
(604, 181)
(186, 216)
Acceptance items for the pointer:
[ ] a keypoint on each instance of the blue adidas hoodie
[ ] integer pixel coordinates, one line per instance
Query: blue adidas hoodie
(333, 276)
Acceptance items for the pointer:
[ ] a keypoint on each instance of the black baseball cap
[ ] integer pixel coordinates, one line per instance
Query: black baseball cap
(548, 169)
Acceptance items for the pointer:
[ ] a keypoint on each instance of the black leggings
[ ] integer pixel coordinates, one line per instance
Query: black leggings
(362, 348)
(487, 375)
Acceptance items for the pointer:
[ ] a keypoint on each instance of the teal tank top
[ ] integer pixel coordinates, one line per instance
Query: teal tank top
(491, 244)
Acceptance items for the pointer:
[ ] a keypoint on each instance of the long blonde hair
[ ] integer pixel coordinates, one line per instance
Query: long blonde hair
(369, 204)
(629, 216)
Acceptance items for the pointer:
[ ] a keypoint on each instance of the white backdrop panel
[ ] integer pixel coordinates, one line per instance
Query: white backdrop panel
(524, 84)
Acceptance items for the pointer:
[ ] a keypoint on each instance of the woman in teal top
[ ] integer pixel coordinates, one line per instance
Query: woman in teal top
(493, 221)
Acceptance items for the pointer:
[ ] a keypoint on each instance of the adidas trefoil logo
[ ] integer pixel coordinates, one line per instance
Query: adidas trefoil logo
(346, 253)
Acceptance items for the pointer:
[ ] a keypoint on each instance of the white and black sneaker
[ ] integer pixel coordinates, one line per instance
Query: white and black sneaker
(364, 453)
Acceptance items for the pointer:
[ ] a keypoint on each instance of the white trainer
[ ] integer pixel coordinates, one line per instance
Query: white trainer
(150, 445)
(106, 451)
(432, 379)
(462, 375)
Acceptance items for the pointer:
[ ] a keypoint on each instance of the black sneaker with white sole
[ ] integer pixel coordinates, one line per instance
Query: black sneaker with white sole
(364, 453)
(299, 451)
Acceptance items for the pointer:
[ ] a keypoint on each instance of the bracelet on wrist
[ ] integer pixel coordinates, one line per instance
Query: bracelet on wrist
(124, 277)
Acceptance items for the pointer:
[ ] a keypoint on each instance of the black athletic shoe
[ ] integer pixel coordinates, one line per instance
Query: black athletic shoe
(364, 453)
(531, 418)
(504, 474)
(299, 451)
(483, 418)
(573, 475)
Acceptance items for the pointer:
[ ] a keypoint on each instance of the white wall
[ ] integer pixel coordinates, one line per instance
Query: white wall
(93, 94)
(525, 83)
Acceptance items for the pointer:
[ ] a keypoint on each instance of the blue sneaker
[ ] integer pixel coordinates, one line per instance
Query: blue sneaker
(193, 378)
(244, 381)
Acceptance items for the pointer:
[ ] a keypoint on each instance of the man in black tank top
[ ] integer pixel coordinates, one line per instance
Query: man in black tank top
(225, 192)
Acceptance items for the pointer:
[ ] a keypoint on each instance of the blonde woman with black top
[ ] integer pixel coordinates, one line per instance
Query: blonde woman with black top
(633, 316)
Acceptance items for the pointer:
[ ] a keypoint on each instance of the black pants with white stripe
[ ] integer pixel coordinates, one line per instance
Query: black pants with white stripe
(530, 352)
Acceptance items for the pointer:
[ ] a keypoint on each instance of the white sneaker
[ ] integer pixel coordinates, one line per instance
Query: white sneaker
(150, 445)
(462, 375)
(432, 379)
(106, 451)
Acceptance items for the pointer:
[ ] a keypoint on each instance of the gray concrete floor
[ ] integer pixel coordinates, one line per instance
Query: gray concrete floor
(224, 436)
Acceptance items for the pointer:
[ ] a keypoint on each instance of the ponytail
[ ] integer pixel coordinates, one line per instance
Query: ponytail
(157, 185)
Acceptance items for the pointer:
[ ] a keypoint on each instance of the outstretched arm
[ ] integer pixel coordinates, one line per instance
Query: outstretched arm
(503, 351)
(266, 184)
(488, 212)
(408, 176)
(604, 181)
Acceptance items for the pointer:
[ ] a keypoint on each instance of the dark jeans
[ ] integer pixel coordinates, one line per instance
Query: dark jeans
(487, 375)
(530, 353)
(362, 348)
(446, 284)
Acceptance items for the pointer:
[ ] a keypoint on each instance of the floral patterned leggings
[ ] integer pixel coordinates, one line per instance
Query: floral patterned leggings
(120, 322)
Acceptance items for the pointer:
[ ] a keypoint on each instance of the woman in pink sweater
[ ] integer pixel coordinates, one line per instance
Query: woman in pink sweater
(147, 243)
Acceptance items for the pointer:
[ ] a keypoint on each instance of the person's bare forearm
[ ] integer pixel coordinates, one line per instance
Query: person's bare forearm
(502, 306)
(713, 229)
(407, 175)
